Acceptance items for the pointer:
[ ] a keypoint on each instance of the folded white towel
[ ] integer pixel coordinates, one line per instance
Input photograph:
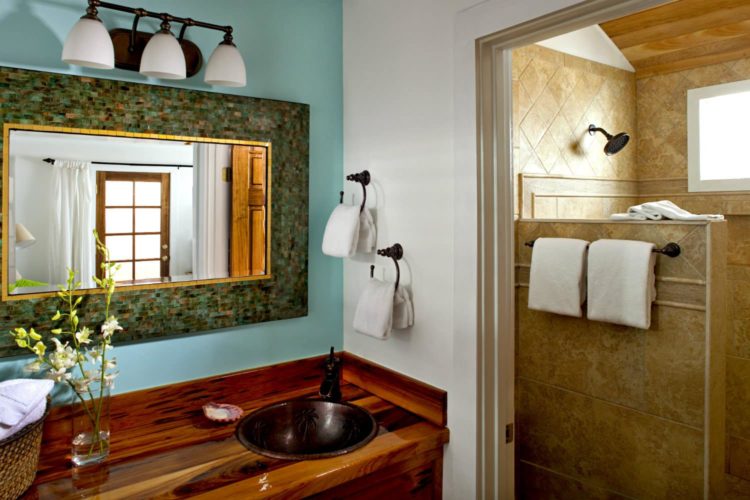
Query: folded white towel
(374, 313)
(558, 269)
(342, 231)
(367, 232)
(621, 282)
(403, 309)
(628, 216)
(22, 402)
(640, 211)
(669, 210)
(664, 209)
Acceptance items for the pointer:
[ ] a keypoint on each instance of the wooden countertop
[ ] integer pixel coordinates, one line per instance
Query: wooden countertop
(162, 446)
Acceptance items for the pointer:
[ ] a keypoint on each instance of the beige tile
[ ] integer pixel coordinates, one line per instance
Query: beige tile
(536, 483)
(608, 446)
(738, 397)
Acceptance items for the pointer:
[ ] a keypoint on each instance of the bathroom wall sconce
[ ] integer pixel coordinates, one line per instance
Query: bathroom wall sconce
(160, 55)
(24, 238)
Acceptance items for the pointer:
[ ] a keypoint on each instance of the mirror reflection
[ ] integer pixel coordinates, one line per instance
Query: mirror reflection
(168, 210)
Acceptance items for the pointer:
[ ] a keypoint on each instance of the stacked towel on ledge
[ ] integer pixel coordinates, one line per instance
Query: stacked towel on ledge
(664, 209)
(374, 313)
(22, 402)
(367, 232)
(342, 231)
(558, 269)
(621, 282)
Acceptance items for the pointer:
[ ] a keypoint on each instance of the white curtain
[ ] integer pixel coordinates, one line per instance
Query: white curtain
(72, 243)
(211, 211)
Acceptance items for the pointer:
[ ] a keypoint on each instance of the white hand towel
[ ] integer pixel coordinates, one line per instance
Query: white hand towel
(558, 269)
(342, 231)
(22, 402)
(403, 309)
(621, 282)
(642, 212)
(628, 216)
(374, 313)
(367, 232)
(669, 210)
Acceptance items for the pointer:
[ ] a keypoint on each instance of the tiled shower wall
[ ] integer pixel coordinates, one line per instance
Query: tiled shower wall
(606, 411)
(662, 172)
(555, 98)
(574, 180)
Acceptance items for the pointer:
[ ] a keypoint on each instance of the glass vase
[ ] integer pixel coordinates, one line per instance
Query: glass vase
(90, 424)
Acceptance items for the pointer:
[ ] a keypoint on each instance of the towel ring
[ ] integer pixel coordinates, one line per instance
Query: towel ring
(670, 249)
(395, 252)
(363, 178)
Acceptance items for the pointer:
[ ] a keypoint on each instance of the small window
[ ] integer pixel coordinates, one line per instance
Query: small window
(717, 137)
(133, 219)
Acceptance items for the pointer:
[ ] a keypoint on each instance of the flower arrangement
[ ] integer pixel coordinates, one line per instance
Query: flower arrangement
(77, 356)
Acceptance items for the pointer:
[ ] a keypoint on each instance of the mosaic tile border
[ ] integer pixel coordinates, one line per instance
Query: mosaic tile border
(33, 97)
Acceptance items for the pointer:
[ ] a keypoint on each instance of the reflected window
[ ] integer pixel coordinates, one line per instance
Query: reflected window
(133, 219)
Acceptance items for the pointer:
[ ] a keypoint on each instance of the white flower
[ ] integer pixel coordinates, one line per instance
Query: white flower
(110, 326)
(109, 379)
(109, 364)
(58, 375)
(63, 358)
(81, 384)
(95, 355)
(33, 367)
(82, 336)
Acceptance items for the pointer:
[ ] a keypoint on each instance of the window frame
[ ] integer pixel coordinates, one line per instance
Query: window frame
(102, 176)
(694, 96)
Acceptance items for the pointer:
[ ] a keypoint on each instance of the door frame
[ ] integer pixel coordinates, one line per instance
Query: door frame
(495, 472)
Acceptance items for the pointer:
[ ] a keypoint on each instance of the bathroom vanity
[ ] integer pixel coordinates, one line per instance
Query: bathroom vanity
(163, 446)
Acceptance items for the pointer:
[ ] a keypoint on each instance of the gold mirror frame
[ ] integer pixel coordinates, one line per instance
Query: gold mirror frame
(8, 127)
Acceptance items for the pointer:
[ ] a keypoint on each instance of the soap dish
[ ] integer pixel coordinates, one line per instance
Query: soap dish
(220, 412)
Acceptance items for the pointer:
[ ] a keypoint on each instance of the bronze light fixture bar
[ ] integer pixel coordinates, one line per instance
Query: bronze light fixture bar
(153, 54)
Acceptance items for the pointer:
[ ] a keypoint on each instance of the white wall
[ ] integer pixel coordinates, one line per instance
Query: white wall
(409, 118)
(590, 43)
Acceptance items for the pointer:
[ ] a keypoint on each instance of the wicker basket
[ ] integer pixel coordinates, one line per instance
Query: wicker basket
(19, 457)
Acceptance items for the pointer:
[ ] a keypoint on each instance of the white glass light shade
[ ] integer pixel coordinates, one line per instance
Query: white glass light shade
(89, 44)
(225, 67)
(24, 238)
(163, 57)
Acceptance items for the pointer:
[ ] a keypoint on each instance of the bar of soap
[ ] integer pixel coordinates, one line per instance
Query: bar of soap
(219, 412)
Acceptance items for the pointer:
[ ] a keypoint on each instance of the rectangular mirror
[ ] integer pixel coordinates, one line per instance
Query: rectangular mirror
(171, 210)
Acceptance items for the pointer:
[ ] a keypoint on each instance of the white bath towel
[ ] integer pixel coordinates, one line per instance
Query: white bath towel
(22, 402)
(664, 209)
(367, 232)
(558, 269)
(403, 309)
(374, 313)
(342, 231)
(628, 216)
(669, 210)
(621, 282)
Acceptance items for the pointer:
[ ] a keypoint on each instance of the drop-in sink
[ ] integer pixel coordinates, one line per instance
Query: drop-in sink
(306, 429)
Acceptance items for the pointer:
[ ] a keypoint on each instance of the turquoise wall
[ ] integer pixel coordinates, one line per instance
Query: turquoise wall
(293, 52)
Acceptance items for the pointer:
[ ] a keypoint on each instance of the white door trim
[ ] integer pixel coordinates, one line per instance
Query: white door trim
(495, 230)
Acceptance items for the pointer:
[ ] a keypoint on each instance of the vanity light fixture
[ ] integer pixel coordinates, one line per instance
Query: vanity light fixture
(160, 55)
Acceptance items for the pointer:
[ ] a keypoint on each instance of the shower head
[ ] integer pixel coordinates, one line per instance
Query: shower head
(614, 142)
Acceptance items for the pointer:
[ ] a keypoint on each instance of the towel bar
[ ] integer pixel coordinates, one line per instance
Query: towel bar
(363, 178)
(670, 249)
(395, 252)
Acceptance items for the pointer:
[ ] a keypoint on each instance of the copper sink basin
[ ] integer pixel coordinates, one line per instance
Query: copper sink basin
(306, 429)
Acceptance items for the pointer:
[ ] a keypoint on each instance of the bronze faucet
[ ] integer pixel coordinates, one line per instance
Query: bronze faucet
(330, 389)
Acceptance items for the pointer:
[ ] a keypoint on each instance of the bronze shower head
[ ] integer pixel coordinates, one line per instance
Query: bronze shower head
(615, 143)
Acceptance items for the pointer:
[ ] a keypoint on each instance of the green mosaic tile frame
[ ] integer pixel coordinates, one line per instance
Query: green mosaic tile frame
(39, 98)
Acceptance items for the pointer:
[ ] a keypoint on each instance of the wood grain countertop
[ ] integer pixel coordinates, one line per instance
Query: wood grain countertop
(163, 447)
